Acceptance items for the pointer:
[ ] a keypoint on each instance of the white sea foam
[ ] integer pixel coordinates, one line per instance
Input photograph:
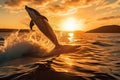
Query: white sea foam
(19, 44)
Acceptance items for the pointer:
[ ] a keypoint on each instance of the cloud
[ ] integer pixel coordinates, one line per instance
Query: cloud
(53, 6)
(15, 5)
(70, 6)
(0, 6)
(108, 4)
(110, 17)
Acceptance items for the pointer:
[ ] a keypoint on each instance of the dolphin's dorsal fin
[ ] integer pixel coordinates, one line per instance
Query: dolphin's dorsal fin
(44, 18)
(31, 24)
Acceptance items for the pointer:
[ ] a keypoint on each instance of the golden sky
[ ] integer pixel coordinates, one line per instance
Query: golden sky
(62, 14)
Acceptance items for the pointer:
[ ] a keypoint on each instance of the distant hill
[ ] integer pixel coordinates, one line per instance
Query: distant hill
(76, 31)
(13, 30)
(106, 29)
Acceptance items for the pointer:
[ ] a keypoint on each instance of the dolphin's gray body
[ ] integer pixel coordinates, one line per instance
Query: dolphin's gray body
(42, 23)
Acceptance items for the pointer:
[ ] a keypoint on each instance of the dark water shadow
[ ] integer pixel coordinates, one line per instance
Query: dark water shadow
(46, 72)
(43, 72)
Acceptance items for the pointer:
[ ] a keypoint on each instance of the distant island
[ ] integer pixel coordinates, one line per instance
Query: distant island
(13, 30)
(106, 29)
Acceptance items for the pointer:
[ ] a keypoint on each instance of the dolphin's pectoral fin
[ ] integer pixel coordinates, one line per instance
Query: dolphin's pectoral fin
(31, 24)
(44, 18)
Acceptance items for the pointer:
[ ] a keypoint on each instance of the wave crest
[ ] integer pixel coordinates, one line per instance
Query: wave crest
(19, 44)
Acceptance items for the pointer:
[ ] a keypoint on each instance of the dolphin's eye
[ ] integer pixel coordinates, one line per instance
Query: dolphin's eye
(37, 13)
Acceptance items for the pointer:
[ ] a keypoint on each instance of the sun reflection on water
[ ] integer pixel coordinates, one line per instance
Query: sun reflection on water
(71, 37)
(68, 61)
(66, 66)
(71, 34)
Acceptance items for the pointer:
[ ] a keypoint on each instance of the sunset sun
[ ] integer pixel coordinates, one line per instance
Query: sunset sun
(71, 24)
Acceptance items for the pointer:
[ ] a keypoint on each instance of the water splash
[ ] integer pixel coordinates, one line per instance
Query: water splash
(19, 44)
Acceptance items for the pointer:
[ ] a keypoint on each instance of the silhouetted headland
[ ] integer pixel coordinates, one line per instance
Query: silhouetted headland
(13, 30)
(106, 29)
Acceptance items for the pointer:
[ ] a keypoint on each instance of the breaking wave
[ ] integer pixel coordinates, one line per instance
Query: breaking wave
(18, 45)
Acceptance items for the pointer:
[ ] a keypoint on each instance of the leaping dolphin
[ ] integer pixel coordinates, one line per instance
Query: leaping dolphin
(43, 25)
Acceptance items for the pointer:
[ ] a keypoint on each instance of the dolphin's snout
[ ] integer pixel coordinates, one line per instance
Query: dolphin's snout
(26, 7)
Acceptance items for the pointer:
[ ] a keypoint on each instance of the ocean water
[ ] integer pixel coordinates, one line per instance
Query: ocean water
(97, 58)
